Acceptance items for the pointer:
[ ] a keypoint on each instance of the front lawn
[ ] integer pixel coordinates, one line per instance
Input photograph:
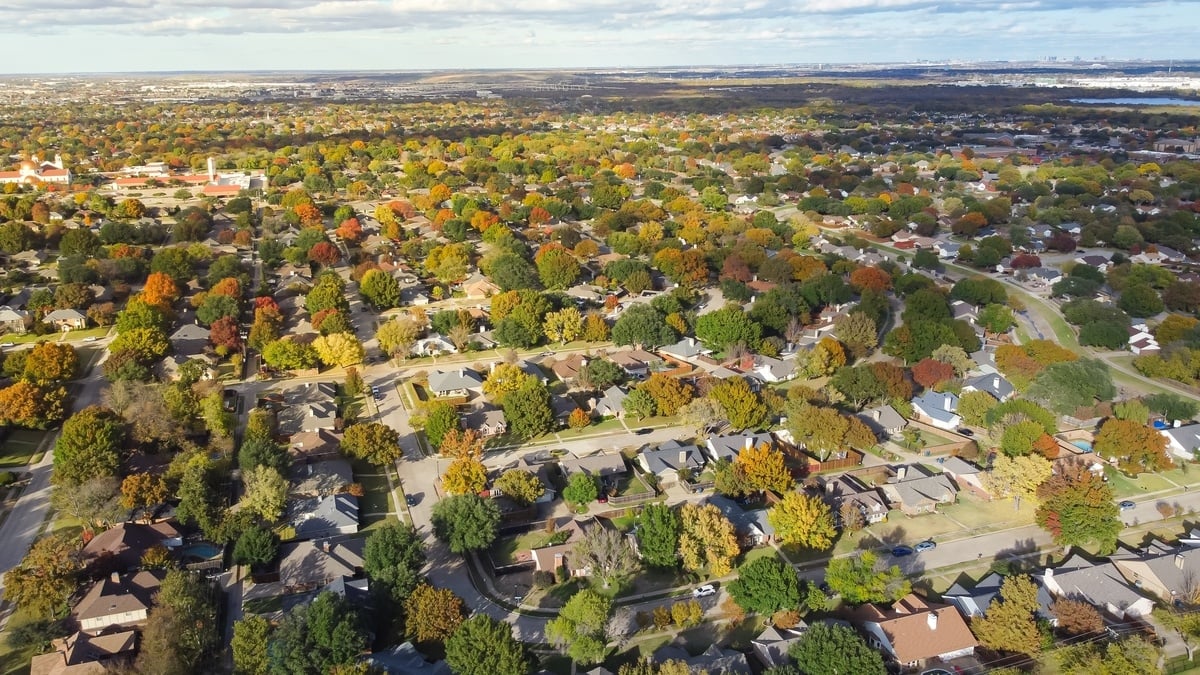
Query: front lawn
(901, 529)
(994, 515)
(632, 485)
(273, 603)
(18, 448)
(14, 659)
(1125, 486)
(515, 548)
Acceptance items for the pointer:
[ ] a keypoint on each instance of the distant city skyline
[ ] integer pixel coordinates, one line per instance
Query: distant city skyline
(81, 36)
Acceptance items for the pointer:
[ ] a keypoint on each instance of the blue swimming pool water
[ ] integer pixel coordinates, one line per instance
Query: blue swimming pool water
(203, 550)
(1083, 445)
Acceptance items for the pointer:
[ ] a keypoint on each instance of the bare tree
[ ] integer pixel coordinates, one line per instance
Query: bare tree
(608, 554)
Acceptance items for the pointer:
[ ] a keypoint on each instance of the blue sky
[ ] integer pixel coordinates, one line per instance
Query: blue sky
(48, 36)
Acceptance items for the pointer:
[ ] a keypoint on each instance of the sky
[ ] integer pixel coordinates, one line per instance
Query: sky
(66, 36)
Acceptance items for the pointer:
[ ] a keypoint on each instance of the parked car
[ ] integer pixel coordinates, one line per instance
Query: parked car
(927, 545)
(1126, 505)
(901, 551)
(965, 432)
(642, 432)
(410, 500)
(704, 591)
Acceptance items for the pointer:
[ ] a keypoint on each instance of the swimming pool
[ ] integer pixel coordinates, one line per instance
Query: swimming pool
(202, 550)
(1086, 446)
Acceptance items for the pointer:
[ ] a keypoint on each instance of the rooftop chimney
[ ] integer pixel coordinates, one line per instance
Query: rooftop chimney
(748, 442)
(325, 546)
(116, 577)
(931, 619)
(682, 458)
(876, 413)
(946, 402)
(1179, 560)
(996, 383)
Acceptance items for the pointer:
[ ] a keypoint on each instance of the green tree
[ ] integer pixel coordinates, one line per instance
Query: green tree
(581, 489)
(803, 519)
(658, 535)
(644, 326)
(1077, 508)
(182, 635)
(527, 411)
(286, 354)
(392, 559)
(380, 289)
(580, 629)
(601, 374)
(862, 578)
(766, 585)
(858, 332)
(440, 419)
(485, 646)
(831, 649)
(1067, 386)
(216, 307)
(89, 446)
(728, 326)
(639, 403)
(973, 407)
(374, 442)
(250, 646)
(466, 522)
(266, 493)
(557, 269)
(199, 501)
(315, 638)
(607, 554)
(1011, 623)
(256, 546)
(46, 577)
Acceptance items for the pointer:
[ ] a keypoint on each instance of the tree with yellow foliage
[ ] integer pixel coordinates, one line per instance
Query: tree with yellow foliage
(804, 520)
(764, 469)
(465, 476)
(707, 540)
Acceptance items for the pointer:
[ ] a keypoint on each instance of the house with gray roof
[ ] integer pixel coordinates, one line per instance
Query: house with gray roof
(974, 601)
(1183, 441)
(433, 345)
(600, 465)
(771, 646)
(668, 459)
(964, 310)
(1099, 584)
(189, 339)
(454, 383)
(612, 403)
(488, 421)
(310, 408)
(66, 319)
(965, 475)
(714, 660)
(847, 491)
(1169, 572)
(753, 527)
(16, 321)
(883, 420)
(686, 349)
(320, 478)
(938, 408)
(728, 447)
(324, 517)
(772, 370)
(994, 384)
(312, 564)
(404, 659)
(914, 490)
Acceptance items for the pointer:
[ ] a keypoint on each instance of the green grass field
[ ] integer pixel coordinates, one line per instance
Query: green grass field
(1124, 486)
(19, 447)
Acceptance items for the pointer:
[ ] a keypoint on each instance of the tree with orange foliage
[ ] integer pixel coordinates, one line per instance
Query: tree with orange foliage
(308, 214)
(870, 278)
(228, 286)
(350, 230)
(160, 290)
(929, 373)
(325, 254)
(439, 193)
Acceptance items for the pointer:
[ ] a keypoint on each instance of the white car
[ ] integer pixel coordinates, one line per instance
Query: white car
(704, 591)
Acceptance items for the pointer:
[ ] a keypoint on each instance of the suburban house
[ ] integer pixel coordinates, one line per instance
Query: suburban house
(83, 654)
(1168, 572)
(1099, 584)
(964, 310)
(568, 368)
(1142, 340)
(914, 490)
(121, 547)
(119, 600)
(1184, 440)
(550, 558)
(966, 476)
(66, 319)
(312, 446)
(883, 420)
(597, 466)
(310, 408)
(846, 489)
(455, 383)
(320, 478)
(974, 601)
(947, 250)
(636, 362)
(994, 384)
(434, 345)
(753, 528)
(687, 349)
(486, 421)
(306, 565)
(404, 659)
(189, 340)
(562, 407)
(324, 517)
(938, 408)
(14, 320)
(477, 286)
(669, 459)
(713, 660)
(771, 646)
(772, 370)
(916, 633)
(611, 404)
(728, 447)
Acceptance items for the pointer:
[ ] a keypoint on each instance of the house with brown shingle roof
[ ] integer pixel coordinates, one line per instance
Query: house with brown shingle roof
(83, 654)
(121, 547)
(118, 600)
(916, 633)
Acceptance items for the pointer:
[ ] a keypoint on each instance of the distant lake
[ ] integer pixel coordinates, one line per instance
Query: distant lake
(1138, 101)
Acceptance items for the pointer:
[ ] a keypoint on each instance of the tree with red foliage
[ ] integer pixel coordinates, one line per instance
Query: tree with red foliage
(929, 373)
(870, 278)
(1025, 261)
(736, 269)
(324, 254)
(224, 333)
(539, 216)
(264, 301)
(895, 383)
(350, 230)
